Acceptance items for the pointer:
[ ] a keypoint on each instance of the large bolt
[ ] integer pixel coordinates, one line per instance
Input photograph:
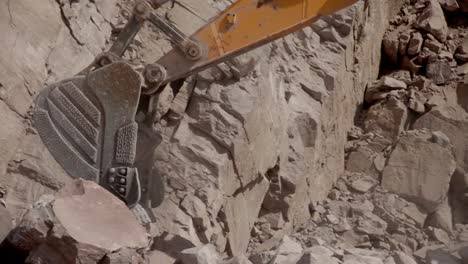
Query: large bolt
(123, 171)
(140, 8)
(154, 73)
(193, 51)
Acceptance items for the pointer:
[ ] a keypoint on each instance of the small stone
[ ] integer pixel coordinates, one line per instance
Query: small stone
(415, 45)
(439, 235)
(439, 71)
(433, 45)
(334, 194)
(402, 258)
(417, 106)
(289, 251)
(332, 219)
(390, 45)
(200, 255)
(363, 185)
(440, 256)
(404, 40)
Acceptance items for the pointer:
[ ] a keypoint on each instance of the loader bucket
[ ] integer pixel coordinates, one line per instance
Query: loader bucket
(88, 124)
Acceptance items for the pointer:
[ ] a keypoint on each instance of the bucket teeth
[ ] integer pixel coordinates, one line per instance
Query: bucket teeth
(88, 124)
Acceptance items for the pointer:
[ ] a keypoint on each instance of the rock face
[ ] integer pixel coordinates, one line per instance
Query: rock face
(84, 224)
(420, 169)
(433, 21)
(58, 33)
(239, 149)
(269, 143)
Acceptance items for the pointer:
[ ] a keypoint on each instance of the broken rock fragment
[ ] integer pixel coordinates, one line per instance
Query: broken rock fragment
(439, 70)
(201, 255)
(419, 169)
(84, 223)
(387, 118)
(382, 87)
(433, 21)
(415, 44)
(288, 252)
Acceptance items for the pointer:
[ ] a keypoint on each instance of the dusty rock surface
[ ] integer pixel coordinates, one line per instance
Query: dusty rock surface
(253, 151)
(83, 224)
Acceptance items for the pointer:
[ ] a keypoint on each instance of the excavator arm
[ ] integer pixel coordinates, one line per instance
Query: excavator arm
(245, 25)
(88, 122)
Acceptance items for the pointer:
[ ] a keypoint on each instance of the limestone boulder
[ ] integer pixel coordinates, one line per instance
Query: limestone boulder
(387, 118)
(433, 20)
(439, 71)
(420, 169)
(441, 256)
(202, 255)
(452, 121)
(84, 223)
(288, 252)
(381, 88)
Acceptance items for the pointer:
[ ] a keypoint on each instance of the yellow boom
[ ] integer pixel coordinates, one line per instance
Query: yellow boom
(245, 25)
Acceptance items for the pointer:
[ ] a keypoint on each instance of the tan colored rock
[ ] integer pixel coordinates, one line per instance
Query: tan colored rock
(441, 256)
(415, 44)
(402, 258)
(404, 40)
(158, 257)
(390, 45)
(238, 260)
(427, 184)
(439, 235)
(387, 118)
(384, 85)
(449, 5)
(439, 71)
(288, 252)
(433, 21)
(362, 161)
(450, 120)
(6, 225)
(363, 184)
(86, 222)
(442, 217)
(203, 255)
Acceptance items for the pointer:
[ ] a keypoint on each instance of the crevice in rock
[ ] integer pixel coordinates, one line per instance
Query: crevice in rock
(12, 21)
(66, 22)
(16, 167)
(13, 109)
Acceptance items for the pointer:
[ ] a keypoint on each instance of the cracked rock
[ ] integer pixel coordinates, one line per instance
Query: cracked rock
(427, 184)
(202, 255)
(84, 223)
(439, 71)
(433, 21)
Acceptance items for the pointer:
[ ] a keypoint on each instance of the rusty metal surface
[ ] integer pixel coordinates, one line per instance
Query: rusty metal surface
(88, 124)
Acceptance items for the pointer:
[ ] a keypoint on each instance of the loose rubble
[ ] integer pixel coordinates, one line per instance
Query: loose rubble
(255, 176)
